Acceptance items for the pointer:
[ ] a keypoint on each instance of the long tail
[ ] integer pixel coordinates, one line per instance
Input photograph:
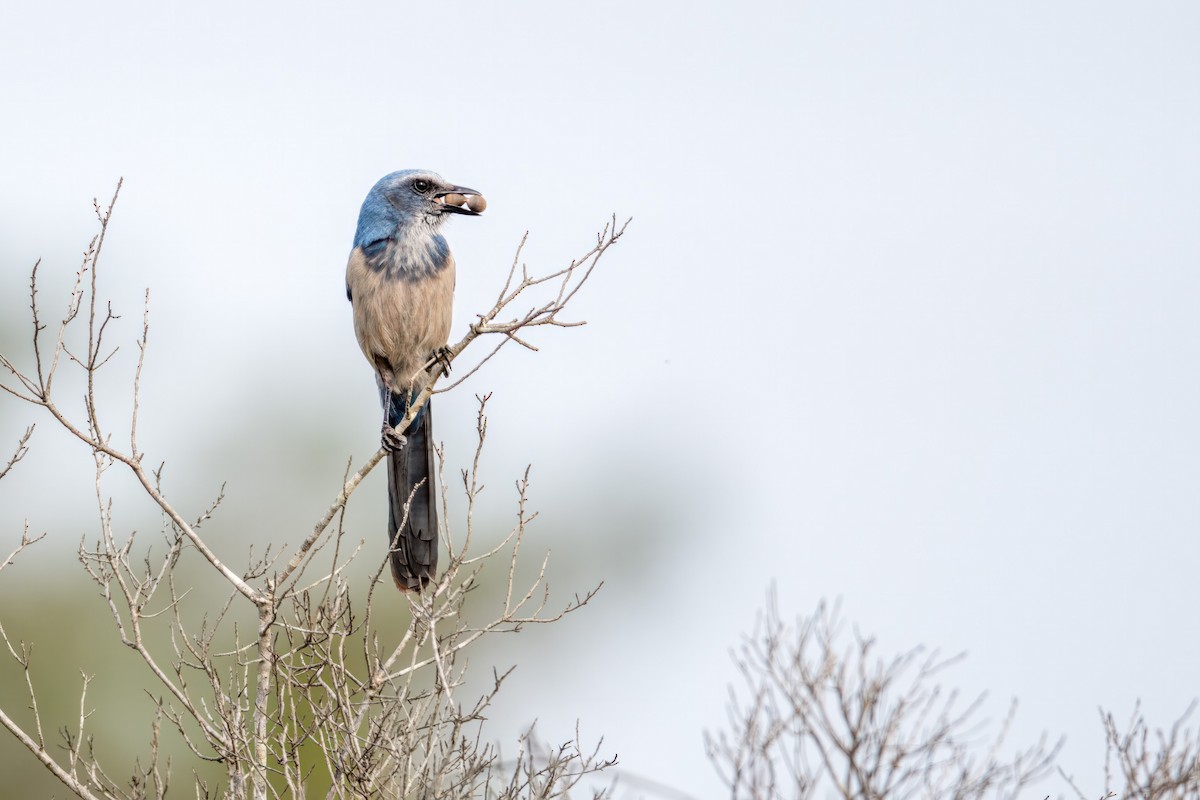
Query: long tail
(412, 482)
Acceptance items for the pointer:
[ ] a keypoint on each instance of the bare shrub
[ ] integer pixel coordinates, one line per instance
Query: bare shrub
(313, 697)
(1155, 765)
(820, 716)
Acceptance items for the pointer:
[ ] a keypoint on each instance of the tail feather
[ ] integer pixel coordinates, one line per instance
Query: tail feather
(412, 483)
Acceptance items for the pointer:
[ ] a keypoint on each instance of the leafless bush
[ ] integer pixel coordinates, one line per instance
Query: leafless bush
(314, 694)
(820, 718)
(1158, 765)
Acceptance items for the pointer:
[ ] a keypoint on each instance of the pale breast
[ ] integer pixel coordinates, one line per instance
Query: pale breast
(401, 321)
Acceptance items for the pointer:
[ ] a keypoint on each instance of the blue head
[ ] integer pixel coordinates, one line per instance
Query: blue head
(411, 201)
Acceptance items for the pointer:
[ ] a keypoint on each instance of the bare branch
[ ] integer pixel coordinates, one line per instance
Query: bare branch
(21, 451)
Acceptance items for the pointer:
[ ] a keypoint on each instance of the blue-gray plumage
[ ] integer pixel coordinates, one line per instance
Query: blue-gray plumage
(400, 281)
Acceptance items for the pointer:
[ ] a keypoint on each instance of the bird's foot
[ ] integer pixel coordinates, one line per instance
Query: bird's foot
(392, 439)
(441, 356)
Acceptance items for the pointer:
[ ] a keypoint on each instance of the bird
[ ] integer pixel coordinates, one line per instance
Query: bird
(400, 282)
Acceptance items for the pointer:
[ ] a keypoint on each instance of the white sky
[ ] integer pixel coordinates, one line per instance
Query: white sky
(906, 316)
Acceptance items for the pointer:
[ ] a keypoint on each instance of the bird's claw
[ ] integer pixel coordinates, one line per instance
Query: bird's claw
(392, 439)
(441, 356)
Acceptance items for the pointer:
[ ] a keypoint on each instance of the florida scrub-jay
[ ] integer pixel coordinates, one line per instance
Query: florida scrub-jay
(400, 282)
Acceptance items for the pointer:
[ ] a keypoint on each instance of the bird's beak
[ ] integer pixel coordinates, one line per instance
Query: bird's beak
(460, 207)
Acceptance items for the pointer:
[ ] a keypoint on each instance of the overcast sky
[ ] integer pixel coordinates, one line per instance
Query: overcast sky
(906, 316)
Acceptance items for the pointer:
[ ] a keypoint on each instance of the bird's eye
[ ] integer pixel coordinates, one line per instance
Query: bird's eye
(421, 186)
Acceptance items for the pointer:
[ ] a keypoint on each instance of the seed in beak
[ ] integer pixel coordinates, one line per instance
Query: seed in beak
(454, 199)
(476, 203)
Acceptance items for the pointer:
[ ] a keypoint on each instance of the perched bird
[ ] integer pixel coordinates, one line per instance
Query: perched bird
(400, 282)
